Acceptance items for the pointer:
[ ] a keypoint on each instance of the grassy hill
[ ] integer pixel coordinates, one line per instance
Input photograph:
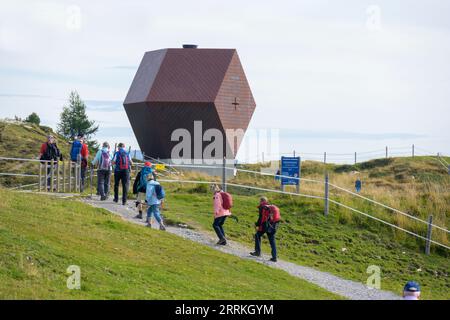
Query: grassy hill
(345, 242)
(329, 244)
(119, 260)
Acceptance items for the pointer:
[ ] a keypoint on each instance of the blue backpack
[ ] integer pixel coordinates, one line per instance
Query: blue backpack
(143, 179)
(160, 193)
(76, 150)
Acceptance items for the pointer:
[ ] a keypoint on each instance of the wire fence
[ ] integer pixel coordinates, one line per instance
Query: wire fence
(61, 177)
(346, 157)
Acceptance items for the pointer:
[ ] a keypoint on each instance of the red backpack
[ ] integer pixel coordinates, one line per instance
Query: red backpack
(274, 215)
(122, 158)
(227, 200)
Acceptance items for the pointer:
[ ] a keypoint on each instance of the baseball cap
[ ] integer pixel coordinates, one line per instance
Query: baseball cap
(411, 286)
(148, 164)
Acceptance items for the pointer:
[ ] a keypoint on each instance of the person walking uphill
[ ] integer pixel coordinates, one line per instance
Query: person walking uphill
(222, 205)
(49, 151)
(155, 196)
(269, 217)
(103, 161)
(358, 185)
(122, 167)
(80, 153)
(140, 187)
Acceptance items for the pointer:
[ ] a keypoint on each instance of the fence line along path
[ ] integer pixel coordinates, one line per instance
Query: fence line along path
(345, 288)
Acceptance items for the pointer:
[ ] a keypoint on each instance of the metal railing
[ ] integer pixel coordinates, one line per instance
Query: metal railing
(54, 176)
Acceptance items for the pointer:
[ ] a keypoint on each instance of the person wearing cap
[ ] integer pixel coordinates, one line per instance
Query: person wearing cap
(154, 204)
(411, 291)
(103, 161)
(49, 151)
(140, 187)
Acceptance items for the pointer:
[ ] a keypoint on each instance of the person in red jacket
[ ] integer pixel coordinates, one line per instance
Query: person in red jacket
(80, 152)
(84, 161)
(50, 152)
(262, 226)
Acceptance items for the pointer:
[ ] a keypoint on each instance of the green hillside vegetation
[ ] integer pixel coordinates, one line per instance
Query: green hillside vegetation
(329, 244)
(345, 242)
(23, 140)
(120, 260)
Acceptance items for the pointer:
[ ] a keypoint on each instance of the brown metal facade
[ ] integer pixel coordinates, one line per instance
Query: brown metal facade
(175, 87)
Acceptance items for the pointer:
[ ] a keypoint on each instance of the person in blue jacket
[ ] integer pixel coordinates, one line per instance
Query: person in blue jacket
(358, 185)
(154, 201)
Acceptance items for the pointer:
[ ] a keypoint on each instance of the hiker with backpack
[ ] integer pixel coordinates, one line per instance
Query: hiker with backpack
(140, 187)
(79, 153)
(122, 167)
(103, 161)
(268, 220)
(49, 151)
(222, 204)
(155, 195)
(358, 185)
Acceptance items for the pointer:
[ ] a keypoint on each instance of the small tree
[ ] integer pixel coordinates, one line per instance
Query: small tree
(33, 118)
(74, 120)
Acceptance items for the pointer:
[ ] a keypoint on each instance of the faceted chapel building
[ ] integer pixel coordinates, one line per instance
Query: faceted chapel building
(191, 89)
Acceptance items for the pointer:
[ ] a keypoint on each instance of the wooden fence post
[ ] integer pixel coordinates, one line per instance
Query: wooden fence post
(58, 176)
(326, 207)
(46, 176)
(92, 178)
(52, 175)
(40, 176)
(64, 176)
(70, 176)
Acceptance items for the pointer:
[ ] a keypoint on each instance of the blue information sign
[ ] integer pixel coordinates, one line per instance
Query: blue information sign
(290, 166)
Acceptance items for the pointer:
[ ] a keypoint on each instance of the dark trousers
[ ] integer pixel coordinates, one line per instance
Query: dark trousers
(218, 227)
(82, 177)
(124, 177)
(272, 242)
(103, 182)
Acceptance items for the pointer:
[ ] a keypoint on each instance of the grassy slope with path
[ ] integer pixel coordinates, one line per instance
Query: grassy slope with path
(120, 260)
(308, 238)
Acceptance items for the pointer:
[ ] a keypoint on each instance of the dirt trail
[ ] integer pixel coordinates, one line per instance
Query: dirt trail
(346, 288)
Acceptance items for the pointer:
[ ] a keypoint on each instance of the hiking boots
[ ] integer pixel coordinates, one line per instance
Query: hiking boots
(255, 254)
(116, 200)
(222, 242)
(162, 227)
(139, 215)
(103, 198)
(273, 259)
(149, 225)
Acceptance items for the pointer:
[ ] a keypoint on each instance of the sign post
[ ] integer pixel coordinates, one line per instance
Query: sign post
(290, 167)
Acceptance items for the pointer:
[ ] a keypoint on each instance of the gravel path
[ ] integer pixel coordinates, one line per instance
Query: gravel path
(346, 288)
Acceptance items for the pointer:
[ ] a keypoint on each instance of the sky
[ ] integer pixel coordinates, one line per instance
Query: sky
(334, 76)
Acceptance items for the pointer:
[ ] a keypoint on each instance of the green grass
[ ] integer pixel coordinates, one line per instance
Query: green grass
(309, 238)
(41, 236)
